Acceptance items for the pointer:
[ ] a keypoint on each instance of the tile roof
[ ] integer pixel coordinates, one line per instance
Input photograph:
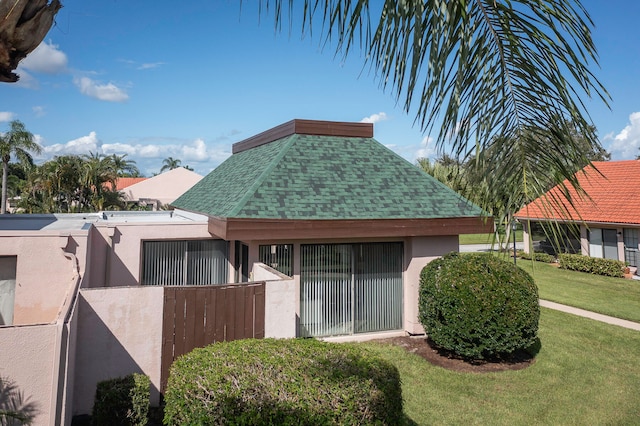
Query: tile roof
(124, 182)
(308, 177)
(611, 189)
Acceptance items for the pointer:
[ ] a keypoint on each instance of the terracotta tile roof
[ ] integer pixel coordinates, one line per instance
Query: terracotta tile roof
(124, 182)
(612, 196)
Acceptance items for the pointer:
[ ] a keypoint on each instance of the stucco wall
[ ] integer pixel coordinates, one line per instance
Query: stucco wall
(418, 252)
(120, 250)
(27, 358)
(280, 302)
(44, 275)
(119, 332)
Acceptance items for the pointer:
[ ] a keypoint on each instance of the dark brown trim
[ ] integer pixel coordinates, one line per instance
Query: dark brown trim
(270, 229)
(305, 127)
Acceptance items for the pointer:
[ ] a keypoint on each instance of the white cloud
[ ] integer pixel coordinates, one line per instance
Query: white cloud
(196, 152)
(46, 58)
(105, 92)
(7, 116)
(150, 65)
(81, 145)
(426, 150)
(375, 118)
(625, 144)
(39, 111)
(27, 81)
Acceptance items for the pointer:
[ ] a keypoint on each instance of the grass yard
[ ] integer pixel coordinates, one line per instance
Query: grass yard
(585, 373)
(485, 238)
(617, 297)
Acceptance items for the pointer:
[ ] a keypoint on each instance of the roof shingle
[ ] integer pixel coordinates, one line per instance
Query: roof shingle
(302, 177)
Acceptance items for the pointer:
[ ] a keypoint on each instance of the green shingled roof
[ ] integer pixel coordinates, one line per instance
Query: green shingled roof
(322, 177)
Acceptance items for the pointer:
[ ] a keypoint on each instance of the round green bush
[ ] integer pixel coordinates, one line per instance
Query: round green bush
(478, 306)
(282, 382)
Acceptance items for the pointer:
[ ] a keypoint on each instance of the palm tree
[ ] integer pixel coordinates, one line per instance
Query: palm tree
(487, 72)
(124, 167)
(170, 163)
(17, 141)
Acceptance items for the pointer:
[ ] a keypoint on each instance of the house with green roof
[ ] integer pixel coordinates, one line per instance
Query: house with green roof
(351, 221)
(312, 228)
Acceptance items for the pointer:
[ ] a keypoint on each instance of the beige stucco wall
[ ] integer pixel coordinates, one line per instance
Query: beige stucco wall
(280, 302)
(27, 358)
(418, 252)
(119, 332)
(118, 249)
(45, 277)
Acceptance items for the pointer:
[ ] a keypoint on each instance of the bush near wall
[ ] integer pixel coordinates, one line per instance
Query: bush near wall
(478, 306)
(537, 256)
(122, 401)
(282, 382)
(592, 265)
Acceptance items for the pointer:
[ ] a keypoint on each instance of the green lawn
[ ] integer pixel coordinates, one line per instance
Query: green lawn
(586, 373)
(485, 238)
(617, 297)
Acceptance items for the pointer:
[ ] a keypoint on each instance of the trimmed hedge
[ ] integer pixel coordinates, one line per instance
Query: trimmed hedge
(537, 256)
(282, 382)
(122, 401)
(478, 306)
(592, 265)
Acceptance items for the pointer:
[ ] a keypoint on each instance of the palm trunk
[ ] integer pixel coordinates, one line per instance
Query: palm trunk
(5, 175)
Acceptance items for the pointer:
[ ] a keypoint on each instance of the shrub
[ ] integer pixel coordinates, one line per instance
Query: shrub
(288, 382)
(123, 401)
(478, 306)
(592, 265)
(537, 256)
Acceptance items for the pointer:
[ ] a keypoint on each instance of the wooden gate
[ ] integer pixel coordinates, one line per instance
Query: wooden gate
(197, 316)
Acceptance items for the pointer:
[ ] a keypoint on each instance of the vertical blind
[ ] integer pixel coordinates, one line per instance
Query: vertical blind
(350, 288)
(277, 256)
(184, 262)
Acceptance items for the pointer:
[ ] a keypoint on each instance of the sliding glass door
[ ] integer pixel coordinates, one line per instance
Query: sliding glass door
(350, 288)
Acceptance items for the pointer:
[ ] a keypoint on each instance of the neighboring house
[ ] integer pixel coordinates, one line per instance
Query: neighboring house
(328, 228)
(607, 213)
(158, 191)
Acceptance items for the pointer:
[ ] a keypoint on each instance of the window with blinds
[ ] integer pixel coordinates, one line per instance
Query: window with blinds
(278, 256)
(350, 288)
(184, 262)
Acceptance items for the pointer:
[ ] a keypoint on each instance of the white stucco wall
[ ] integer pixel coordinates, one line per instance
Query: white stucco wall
(418, 252)
(280, 302)
(27, 357)
(119, 332)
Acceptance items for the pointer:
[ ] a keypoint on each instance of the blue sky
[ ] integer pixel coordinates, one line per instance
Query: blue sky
(189, 79)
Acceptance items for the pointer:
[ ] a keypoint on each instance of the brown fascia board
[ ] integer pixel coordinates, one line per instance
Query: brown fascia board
(278, 229)
(305, 127)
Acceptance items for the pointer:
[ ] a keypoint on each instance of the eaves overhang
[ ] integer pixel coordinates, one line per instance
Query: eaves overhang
(249, 229)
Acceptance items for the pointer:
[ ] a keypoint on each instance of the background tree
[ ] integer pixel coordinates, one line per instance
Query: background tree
(170, 163)
(19, 142)
(124, 167)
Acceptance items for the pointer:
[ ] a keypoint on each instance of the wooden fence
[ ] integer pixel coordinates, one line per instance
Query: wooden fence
(197, 316)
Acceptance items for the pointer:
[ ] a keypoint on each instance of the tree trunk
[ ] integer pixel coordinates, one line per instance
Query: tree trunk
(23, 25)
(5, 173)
